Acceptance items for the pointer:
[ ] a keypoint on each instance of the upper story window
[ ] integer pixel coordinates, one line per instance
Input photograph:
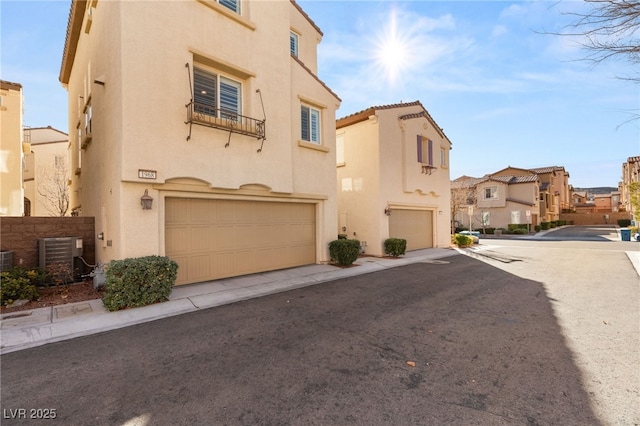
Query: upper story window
(310, 124)
(88, 117)
(216, 95)
(293, 43)
(425, 151)
(233, 5)
(491, 193)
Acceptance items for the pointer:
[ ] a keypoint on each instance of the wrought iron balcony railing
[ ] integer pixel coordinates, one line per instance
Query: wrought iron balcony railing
(219, 118)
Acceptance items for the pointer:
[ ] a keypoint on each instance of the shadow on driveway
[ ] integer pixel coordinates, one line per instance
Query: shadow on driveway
(429, 343)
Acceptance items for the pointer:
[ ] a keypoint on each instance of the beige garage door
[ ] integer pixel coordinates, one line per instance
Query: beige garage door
(213, 239)
(415, 226)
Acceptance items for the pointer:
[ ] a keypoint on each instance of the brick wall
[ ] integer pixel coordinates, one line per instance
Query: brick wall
(595, 218)
(20, 235)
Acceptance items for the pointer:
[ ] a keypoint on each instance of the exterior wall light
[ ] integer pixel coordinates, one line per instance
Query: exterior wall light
(146, 200)
(387, 211)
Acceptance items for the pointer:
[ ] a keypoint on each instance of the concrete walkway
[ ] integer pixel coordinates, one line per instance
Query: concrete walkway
(27, 329)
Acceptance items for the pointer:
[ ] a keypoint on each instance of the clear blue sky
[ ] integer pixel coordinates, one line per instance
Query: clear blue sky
(504, 92)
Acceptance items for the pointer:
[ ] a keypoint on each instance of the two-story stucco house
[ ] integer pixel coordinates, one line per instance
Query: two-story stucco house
(393, 177)
(201, 131)
(46, 172)
(508, 199)
(11, 149)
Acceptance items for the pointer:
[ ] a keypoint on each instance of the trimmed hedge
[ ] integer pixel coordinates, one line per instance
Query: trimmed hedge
(463, 240)
(545, 225)
(513, 226)
(623, 223)
(16, 285)
(395, 246)
(344, 252)
(136, 282)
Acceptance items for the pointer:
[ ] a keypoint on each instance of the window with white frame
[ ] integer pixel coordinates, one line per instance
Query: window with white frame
(293, 43)
(486, 218)
(59, 162)
(443, 157)
(233, 5)
(515, 216)
(310, 124)
(216, 95)
(491, 193)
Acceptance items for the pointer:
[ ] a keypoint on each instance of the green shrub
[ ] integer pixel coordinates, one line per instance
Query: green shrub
(342, 236)
(489, 230)
(623, 223)
(395, 246)
(519, 231)
(136, 282)
(15, 287)
(463, 240)
(545, 225)
(552, 224)
(344, 252)
(561, 222)
(513, 226)
(537, 228)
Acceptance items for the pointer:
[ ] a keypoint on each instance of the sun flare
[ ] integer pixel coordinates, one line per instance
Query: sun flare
(391, 50)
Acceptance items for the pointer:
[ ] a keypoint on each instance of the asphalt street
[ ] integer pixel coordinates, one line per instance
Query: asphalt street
(457, 341)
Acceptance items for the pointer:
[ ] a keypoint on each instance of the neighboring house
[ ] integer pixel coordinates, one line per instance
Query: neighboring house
(512, 196)
(579, 197)
(46, 172)
(602, 203)
(201, 132)
(554, 189)
(555, 198)
(630, 174)
(508, 199)
(11, 149)
(393, 177)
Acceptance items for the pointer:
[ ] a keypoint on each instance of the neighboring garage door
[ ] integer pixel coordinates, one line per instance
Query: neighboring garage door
(213, 239)
(415, 226)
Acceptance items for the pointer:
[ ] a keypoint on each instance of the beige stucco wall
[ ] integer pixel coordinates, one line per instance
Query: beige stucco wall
(381, 170)
(11, 187)
(141, 53)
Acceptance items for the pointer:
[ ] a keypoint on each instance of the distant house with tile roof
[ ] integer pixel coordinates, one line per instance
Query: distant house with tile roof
(514, 196)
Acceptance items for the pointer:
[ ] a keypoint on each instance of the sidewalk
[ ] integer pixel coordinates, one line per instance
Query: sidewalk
(27, 329)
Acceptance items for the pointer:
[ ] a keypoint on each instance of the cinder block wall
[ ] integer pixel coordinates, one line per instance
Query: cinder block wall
(20, 235)
(596, 218)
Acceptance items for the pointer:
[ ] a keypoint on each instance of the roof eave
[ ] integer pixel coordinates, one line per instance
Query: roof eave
(74, 27)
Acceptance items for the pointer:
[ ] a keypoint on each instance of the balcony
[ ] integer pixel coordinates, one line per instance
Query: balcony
(217, 118)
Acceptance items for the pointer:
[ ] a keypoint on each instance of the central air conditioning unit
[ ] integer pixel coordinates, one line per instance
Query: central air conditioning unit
(59, 250)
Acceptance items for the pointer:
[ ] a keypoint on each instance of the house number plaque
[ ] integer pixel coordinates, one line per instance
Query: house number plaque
(147, 174)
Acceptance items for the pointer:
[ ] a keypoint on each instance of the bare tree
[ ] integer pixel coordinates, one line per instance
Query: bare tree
(53, 187)
(463, 195)
(610, 30)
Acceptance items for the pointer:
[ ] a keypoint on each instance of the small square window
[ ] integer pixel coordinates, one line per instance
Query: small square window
(491, 193)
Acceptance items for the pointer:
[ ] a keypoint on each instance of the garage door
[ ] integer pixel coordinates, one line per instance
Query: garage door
(415, 226)
(213, 239)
